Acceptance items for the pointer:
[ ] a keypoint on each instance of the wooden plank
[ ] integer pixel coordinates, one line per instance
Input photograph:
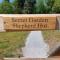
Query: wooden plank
(30, 23)
(40, 59)
(22, 58)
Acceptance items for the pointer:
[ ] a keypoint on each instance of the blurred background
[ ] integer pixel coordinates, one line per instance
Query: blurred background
(29, 6)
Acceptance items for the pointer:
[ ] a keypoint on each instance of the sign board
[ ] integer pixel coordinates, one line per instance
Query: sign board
(29, 23)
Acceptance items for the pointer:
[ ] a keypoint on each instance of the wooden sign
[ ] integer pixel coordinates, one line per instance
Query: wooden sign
(29, 23)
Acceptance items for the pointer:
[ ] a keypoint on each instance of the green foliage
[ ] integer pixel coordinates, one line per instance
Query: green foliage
(29, 6)
(56, 7)
(6, 8)
(45, 6)
(18, 6)
(6, 0)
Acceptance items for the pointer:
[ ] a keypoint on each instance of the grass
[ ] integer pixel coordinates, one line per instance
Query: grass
(51, 34)
(10, 41)
(52, 37)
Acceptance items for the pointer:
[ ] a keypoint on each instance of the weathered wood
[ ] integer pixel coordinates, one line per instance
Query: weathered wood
(41, 59)
(58, 22)
(29, 23)
(53, 58)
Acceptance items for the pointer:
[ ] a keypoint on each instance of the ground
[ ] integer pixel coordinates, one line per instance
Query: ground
(12, 42)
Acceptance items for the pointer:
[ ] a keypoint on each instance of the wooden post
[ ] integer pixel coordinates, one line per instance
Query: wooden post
(1, 24)
(58, 22)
